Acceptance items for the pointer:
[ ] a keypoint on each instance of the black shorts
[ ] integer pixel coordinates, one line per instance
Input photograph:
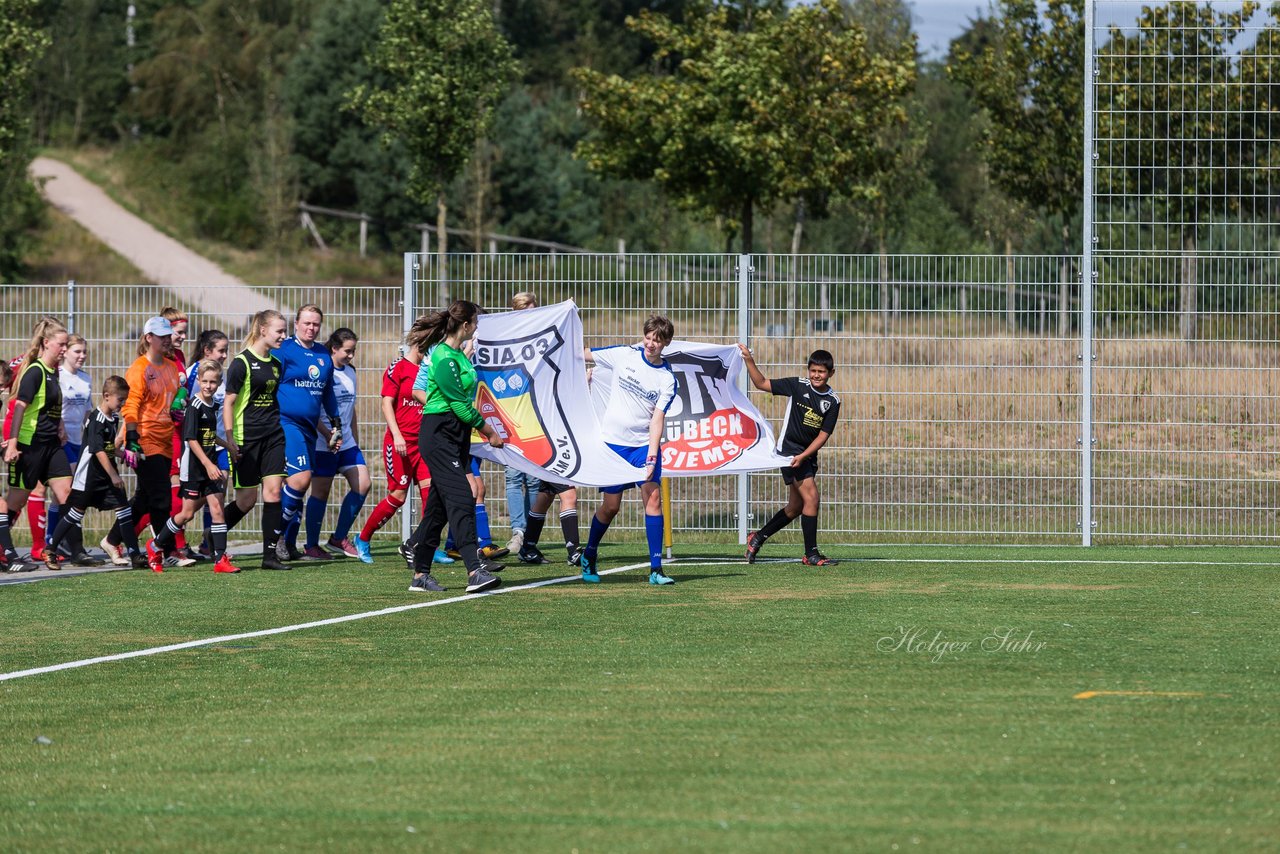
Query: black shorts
(806, 470)
(100, 495)
(38, 463)
(259, 458)
(549, 488)
(197, 489)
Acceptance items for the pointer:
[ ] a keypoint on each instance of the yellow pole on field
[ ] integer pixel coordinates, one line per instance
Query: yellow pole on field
(666, 515)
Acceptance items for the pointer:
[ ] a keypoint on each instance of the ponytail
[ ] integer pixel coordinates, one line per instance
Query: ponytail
(45, 328)
(434, 326)
(207, 341)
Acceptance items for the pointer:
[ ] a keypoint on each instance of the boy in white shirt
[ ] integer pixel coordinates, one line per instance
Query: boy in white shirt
(632, 426)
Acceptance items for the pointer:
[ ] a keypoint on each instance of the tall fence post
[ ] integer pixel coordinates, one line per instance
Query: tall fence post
(411, 266)
(744, 337)
(71, 305)
(1087, 279)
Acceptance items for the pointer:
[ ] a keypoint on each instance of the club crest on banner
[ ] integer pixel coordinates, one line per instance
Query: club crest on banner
(706, 430)
(511, 396)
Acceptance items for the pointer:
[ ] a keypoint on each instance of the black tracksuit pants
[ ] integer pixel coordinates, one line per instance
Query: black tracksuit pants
(445, 445)
(151, 497)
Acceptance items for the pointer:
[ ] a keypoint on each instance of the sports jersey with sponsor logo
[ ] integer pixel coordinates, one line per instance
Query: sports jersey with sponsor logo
(99, 432)
(809, 413)
(397, 384)
(254, 380)
(639, 388)
(344, 392)
(77, 396)
(201, 424)
(38, 388)
(306, 384)
(193, 390)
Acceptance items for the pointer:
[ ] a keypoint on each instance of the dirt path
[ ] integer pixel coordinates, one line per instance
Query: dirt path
(165, 261)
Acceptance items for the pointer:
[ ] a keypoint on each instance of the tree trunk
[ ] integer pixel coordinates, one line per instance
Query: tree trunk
(1189, 296)
(442, 248)
(1010, 288)
(884, 286)
(795, 263)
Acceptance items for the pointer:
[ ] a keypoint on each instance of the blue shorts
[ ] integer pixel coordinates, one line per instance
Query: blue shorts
(637, 457)
(73, 454)
(224, 461)
(328, 464)
(299, 445)
(475, 466)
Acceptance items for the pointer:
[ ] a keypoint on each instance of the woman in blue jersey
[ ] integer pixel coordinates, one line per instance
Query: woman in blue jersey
(347, 461)
(306, 388)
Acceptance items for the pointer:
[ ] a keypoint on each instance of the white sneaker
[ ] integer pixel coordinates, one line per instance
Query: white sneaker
(115, 553)
(516, 543)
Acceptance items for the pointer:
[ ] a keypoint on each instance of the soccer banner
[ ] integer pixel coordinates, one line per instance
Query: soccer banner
(533, 391)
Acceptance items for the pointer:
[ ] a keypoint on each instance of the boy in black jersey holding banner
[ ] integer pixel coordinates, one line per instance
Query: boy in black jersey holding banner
(812, 413)
(97, 482)
(201, 480)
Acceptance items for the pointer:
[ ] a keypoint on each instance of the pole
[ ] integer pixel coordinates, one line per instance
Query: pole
(411, 266)
(1087, 279)
(667, 539)
(744, 337)
(71, 305)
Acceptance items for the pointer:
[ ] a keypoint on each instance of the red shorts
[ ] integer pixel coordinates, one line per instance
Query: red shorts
(406, 470)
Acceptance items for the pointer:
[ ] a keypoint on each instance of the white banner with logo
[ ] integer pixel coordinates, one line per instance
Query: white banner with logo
(533, 390)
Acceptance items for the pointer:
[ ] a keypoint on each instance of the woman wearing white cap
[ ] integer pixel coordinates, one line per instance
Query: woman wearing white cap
(153, 381)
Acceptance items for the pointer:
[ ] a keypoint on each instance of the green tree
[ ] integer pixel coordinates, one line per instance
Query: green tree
(21, 43)
(1170, 126)
(1026, 75)
(781, 106)
(445, 67)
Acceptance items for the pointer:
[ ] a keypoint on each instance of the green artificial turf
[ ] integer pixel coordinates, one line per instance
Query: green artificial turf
(748, 708)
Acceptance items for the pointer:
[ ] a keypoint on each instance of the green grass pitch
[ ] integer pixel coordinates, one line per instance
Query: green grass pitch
(912, 698)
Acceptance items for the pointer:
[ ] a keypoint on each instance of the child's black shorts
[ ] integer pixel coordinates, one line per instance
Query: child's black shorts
(794, 474)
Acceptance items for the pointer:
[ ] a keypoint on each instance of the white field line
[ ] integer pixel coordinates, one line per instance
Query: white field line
(331, 621)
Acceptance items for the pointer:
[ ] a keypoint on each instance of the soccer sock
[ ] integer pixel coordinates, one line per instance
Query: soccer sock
(218, 539)
(533, 528)
(124, 521)
(315, 519)
(144, 522)
(653, 534)
(569, 527)
(776, 524)
(175, 507)
(6, 538)
(71, 519)
(271, 525)
(290, 503)
(233, 514)
(35, 515)
(291, 530)
(352, 504)
(809, 524)
(484, 537)
(597, 534)
(168, 536)
(385, 509)
(207, 518)
(52, 514)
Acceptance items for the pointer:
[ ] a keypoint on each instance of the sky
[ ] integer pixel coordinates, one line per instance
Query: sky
(937, 22)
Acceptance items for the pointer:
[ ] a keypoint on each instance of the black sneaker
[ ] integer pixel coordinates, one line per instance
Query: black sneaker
(18, 564)
(491, 566)
(138, 560)
(530, 553)
(482, 580)
(273, 562)
(405, 551)
(754, 543)
(84, 559)
(818, 559)
(284, 551)
(51, 561)
(575, 556)
(194, 555)
(426, 583)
